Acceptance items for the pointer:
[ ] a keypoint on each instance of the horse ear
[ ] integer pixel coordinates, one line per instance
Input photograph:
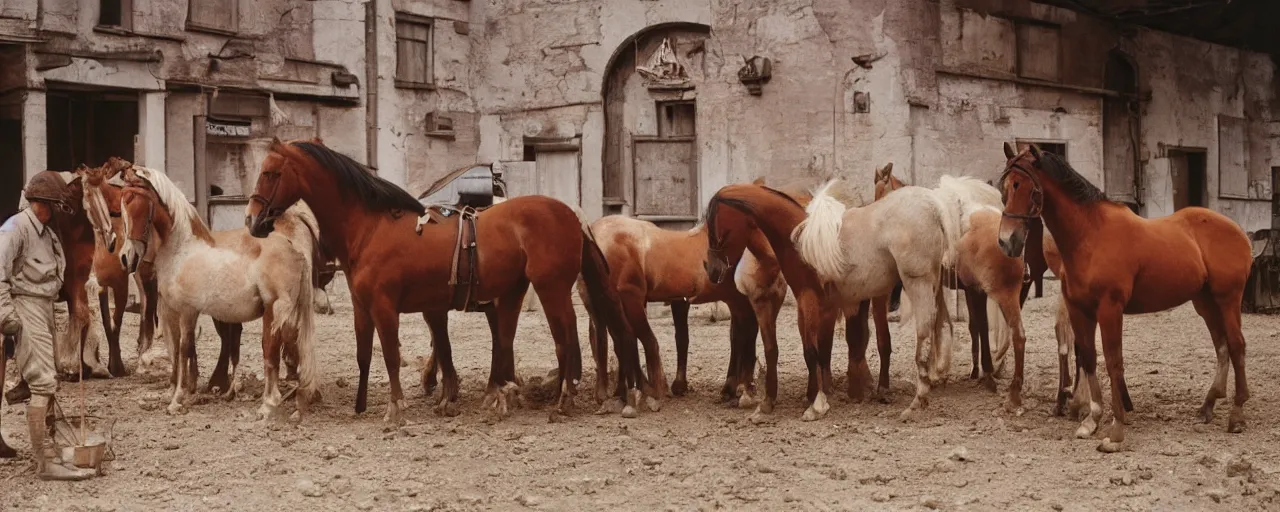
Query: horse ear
(317, 140)
(277, 146)
(883, 173)
(1008, 151)
(758, 181)
(1035, 151)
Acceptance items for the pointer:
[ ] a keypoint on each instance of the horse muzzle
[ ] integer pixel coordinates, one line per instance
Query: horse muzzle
(1013, 244)
(260, 225)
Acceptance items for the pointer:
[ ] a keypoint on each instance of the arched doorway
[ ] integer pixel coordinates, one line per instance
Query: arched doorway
(1121, 137)
(650, 108)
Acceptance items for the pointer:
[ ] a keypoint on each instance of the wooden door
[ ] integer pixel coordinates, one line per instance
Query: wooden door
(557, 174)
(1181, 177)
(665, 173)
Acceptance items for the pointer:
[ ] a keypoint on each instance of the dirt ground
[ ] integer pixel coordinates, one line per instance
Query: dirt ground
(965, 453)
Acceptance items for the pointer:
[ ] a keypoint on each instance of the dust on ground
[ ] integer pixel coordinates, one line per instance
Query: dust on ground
(965, 453)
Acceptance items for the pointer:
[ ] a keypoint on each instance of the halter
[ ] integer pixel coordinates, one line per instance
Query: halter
(268, 209)
(1037, 192)
(146, 232)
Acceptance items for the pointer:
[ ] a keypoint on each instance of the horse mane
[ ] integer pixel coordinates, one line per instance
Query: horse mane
(1072, 183)
(355, 178)
(186, 221)
(744, 205)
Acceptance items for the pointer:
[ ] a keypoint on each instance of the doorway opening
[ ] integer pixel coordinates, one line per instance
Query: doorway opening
(88, 126)
(1187, 168)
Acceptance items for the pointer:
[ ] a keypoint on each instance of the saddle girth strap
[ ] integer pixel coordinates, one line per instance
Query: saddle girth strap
(464, 278)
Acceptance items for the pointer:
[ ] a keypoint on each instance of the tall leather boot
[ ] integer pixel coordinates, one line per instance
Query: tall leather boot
(47, 466)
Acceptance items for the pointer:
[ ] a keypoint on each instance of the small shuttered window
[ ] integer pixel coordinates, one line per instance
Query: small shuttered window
(413, 51)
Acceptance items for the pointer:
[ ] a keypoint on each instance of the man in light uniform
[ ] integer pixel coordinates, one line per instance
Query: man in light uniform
(31, 269)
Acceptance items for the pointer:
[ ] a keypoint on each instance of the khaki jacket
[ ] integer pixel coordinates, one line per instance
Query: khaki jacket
(31, 260)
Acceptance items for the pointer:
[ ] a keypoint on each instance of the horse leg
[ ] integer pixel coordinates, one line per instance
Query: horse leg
(884, 345)
(1230, 309)
(271, 339)
(857, 334)
(183, 349)
(442, 356)
(1111, 319)
(1012, 312)
(729, 393)
(115, 362)
(220, 379)
(386, 320)
(657, 390)
(364, 351)
(557, 305)
(1066, 342)
(980, 346)
(147, 289)
(502, 392)
(1084, 328)
(924, 296)
(1208, 311)
(680, 318)
(598, 340)
(766, 310)
(820, 326)
(744, 327)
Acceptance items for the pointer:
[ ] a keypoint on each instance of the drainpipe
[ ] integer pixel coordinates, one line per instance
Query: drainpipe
(371, 82)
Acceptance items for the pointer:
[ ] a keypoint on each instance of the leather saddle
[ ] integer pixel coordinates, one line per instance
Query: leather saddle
(464, 277)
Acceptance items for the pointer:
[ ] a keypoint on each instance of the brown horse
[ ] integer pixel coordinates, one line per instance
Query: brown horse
(651, 264)
(392, 268)
(984, 273)
(102, 204)
(77, 236)
(1195, 255)
(733, 215)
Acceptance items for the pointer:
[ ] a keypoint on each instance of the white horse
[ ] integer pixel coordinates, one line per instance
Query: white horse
(231, 276)
(909, 235)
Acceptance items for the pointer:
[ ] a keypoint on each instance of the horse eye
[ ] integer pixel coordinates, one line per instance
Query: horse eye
(1015, 185)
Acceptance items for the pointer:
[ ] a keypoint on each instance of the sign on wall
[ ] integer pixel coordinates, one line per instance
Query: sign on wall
(221, 129)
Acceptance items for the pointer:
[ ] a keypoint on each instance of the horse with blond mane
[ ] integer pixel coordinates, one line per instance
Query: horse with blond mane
(1204, 257)
(234, 278)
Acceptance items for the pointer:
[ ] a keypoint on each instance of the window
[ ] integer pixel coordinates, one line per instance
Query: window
(676, 119)
(115, 13)
(1039, 51)
(413, 51)
(217, 16)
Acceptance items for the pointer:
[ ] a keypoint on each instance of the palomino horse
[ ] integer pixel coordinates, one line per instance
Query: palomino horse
(234, 278)
(393, 268)
(993, 284)
(1202, 257)
(651, 264)
(909, 235)
(102, 204)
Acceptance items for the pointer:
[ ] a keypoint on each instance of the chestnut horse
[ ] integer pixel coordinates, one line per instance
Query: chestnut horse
(733, 215)
(392, 268)
(77, 237)
(651, 264)
(235, 279)
(102, 204)
(1195, 255)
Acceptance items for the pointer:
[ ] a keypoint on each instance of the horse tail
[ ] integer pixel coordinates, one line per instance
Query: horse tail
(607, 305)
(817, 238)
(950, 219)
(304, 239)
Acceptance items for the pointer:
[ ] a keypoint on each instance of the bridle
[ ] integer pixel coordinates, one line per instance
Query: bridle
(146, 232)
(1037, 192)
(269, 211)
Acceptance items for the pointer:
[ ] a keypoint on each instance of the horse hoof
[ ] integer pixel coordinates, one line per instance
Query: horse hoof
(629, 412)
(176, 409)
(810, 415)
(1107, 446)
(653, 404)
(909, 415)
(447, 408)
(760, 417)
(680, 387)
(296, 417)
(988, 382)
(1206, 415)
(613, 406)
(1235, 426)
(1086, 430)
(747, 401)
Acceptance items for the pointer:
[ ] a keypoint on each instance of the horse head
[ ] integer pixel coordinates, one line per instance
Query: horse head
(144, 217)
(886, 182)
(96, 204)
(277, 188)
(1023, 197)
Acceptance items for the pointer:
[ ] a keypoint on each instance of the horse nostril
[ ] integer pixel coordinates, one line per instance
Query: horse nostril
(1004, 245)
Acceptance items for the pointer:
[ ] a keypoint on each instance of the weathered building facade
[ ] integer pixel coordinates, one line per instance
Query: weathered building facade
(647, 107)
